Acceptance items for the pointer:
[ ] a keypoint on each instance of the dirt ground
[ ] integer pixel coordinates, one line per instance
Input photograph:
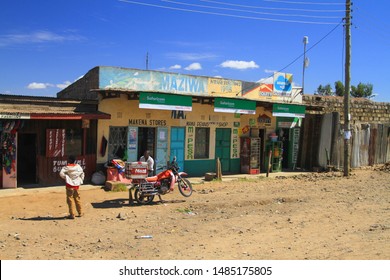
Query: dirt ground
(310, 216)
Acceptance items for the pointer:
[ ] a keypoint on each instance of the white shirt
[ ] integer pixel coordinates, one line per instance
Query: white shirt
(150, 162)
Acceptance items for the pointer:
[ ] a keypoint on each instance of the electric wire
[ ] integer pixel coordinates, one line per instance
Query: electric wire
(304, 3)
(246, 11)
(297, 58)
(272, 8)
(226, 15)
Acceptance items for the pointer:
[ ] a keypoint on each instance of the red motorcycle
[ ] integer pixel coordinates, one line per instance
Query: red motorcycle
(146, 188)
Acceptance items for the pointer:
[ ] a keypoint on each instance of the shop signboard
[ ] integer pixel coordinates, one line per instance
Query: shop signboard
(55, 143)
(283, 83)
(152, 81)
(132, 143)
(230, 105)
(148, 100)
(190, 143)
(288, 110)
(224, 87)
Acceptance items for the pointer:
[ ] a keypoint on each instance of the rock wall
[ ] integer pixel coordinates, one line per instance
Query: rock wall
(362, 109)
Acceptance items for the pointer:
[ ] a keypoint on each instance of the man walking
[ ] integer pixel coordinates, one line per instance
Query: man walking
(73, 175)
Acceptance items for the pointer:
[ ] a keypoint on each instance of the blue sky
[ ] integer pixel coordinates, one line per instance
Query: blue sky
(45, 45)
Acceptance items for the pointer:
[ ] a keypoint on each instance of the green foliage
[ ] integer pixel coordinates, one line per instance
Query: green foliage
(339, 87)
(362, 90)
(324, 90)
(119, 188)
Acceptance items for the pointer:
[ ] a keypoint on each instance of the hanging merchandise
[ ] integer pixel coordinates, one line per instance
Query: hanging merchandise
(8, 141)
(103, 146)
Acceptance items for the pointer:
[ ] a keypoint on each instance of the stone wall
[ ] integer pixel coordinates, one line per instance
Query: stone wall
(362, 109)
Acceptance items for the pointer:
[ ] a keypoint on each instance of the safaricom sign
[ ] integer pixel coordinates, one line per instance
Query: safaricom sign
(157, 99)
(229, 104)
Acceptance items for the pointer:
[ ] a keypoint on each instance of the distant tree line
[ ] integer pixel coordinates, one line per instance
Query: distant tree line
(361, 90)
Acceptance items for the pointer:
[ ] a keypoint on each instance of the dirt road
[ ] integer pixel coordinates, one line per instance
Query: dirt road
(311, 216)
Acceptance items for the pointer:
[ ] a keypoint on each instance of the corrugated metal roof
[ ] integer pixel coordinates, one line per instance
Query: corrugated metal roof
(50, 107)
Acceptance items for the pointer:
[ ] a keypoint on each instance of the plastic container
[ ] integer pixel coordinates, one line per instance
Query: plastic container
(136, 170)
(143, 237)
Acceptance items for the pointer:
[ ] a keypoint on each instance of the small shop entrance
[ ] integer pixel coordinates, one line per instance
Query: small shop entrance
(27, 159)
(284, 136)
(146, 141)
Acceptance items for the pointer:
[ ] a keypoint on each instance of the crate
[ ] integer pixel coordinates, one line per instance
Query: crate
(136, 170)
(254, 171)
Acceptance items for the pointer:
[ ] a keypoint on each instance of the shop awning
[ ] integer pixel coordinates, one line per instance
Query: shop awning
(160, 101)
(288, 110)
(230, 105)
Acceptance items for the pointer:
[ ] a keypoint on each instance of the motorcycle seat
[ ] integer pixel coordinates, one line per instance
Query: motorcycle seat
(152, 179)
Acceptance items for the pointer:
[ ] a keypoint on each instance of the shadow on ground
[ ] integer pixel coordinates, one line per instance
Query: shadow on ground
(47, 218)
(120, 202)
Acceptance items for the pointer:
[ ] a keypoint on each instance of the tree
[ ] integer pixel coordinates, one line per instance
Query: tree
(362, 90)
(339, 87)
(324, 90)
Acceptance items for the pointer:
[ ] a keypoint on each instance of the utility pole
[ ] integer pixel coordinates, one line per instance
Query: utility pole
(147, 61)
(347, 115)
(305, 62)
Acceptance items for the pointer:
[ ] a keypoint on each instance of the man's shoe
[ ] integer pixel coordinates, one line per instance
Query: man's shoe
(71, 217)
(81, 215)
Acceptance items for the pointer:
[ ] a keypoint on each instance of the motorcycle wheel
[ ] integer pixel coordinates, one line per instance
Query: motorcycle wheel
(141, 199)
(185, 187)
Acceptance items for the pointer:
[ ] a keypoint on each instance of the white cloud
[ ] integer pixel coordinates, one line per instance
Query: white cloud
(239, 64)
(175, 67)
(35, 85)
(268, 71)
(36, 37)
(191, 56)
(194, 66)
(63, 85)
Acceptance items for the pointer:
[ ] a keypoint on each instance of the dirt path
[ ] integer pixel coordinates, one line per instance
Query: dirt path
(313, 216)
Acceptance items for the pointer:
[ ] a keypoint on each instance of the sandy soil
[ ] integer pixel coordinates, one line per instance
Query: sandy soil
(311, 216)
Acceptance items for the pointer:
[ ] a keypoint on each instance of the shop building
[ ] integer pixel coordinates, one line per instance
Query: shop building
(39, 133)
(194, 118)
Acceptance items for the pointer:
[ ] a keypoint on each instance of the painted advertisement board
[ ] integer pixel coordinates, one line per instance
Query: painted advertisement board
(141, 80)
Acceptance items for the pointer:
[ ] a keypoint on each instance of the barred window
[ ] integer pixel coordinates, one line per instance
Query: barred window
(202, 136)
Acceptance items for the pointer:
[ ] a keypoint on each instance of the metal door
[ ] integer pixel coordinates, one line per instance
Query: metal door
(222, 147)
(161, 158)
(178, 145)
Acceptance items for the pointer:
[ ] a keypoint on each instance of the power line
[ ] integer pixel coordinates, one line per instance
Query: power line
(226, 15)
(246, 11)
(296, 59)
(273, 8)
(304, 3)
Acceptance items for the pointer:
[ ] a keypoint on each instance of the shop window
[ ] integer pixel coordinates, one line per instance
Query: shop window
(202, 136)
(74, 141)
(117, 142)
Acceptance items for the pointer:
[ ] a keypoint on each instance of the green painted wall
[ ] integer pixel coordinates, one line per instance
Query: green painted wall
(197, 168)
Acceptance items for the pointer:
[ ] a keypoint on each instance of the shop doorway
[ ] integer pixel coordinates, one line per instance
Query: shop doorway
(146, 140)
(27, 159)
(284, 136)
(222, 147)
